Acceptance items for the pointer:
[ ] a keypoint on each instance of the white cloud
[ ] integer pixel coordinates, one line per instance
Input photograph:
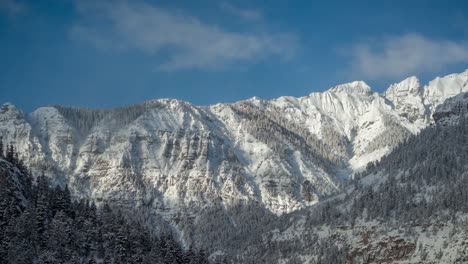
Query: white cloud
(13, 7)
(185, 40)
(405, 55)
(247, 14)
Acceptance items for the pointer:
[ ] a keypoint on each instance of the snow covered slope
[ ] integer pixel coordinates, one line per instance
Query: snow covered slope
(408, 208)
(170, 156)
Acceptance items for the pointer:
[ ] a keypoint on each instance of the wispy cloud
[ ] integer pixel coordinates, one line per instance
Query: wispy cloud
(13, 7)
(186, 41)
(247, 14)
(403, 55)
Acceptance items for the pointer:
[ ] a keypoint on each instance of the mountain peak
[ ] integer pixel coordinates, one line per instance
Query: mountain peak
(411, 81)
(352, 87)
(254, 99)
(9, 107)
(409, 85)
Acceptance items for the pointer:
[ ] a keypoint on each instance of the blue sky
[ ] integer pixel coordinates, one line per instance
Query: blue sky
(105, 53)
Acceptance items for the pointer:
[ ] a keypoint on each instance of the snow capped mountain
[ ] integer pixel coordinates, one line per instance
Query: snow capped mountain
(408, 208)
(171, 156)
(351, 113)
(359, 87)
(417, 102)
(407, 97)
(440, 89)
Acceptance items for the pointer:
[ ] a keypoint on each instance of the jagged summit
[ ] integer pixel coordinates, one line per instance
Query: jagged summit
(9, 109)
(442, 88)
(8, 104)
(254, 99)
(352, 87)
(409, 85)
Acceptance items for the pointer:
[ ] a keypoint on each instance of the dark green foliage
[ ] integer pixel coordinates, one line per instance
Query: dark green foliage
(10, 154)
(39, 224)
(2, 151)
(427, 178)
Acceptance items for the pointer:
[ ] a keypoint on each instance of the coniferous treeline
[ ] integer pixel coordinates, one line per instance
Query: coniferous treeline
(40, 224)
(422, 183)
(393, 134)
(84, 119)
(280, 134)
(428, 177)
(426, 182)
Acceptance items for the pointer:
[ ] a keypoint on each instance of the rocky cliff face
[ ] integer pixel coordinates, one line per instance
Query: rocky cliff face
(171, 156)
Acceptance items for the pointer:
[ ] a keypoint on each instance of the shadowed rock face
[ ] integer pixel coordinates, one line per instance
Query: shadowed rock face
(452, 109)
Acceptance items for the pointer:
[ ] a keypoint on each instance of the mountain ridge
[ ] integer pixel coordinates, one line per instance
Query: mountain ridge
(202, 170)
(171, 154)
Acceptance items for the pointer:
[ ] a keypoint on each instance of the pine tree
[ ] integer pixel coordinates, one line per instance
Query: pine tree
(39, 224)
(59, 235)
(21, 249)
(2, 151)
(48, 257)
(9, 233)
(5, 193)
(65, 204)
(154, 255)
(122, 244)
(61, 199)
(43, 207)
(137, 241)
(10, 155)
